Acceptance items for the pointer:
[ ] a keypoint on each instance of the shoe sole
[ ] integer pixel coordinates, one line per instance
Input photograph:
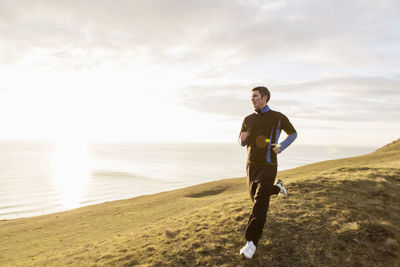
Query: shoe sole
(245, 256)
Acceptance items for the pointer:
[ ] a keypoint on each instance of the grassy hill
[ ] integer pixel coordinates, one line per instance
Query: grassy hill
(342, 212)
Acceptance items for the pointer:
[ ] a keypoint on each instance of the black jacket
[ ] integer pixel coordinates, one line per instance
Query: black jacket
(264, 130)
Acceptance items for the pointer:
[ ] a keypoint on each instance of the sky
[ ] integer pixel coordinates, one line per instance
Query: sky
(182, 71)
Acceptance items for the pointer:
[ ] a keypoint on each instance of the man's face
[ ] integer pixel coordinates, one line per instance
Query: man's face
(258, 100)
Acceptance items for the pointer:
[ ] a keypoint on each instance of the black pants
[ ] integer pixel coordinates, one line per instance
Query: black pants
(260, 179)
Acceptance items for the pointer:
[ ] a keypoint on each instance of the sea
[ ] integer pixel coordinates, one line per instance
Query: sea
(38, 178)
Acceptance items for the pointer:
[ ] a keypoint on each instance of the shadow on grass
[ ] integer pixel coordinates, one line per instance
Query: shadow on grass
(206, 193)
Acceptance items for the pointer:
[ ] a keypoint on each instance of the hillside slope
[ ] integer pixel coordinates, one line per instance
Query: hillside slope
(339, 213)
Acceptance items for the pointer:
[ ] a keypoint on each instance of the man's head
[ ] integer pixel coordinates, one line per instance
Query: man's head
(260, 96)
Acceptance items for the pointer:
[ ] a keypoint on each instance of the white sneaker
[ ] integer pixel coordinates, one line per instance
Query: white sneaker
(283, 189)
(248, 250)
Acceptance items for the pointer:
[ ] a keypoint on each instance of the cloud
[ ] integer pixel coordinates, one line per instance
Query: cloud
(207, 32)
(332, 99)
(220, 100)
(373, 86)
(332, 61)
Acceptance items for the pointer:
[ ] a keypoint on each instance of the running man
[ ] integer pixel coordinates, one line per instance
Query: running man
(260, 133)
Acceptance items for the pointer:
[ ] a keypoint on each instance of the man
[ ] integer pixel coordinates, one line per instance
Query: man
(260, 133)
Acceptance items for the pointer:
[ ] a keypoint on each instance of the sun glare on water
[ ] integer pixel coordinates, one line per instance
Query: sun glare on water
(71, 172)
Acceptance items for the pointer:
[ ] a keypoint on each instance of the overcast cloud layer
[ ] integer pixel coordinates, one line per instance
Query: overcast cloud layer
(324, 61)
(341, 98)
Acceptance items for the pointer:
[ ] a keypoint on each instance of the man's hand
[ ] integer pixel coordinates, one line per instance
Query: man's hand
(276, 150)
(243, 136)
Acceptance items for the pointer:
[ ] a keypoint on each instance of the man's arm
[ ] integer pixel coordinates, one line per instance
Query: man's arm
(243, 138)
(289, 140)
(290, 131)
(243, 134)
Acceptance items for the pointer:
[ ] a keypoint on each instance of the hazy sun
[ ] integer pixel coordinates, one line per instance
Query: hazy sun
(71, 171)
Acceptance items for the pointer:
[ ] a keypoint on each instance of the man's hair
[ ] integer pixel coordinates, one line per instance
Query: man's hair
(263, 91)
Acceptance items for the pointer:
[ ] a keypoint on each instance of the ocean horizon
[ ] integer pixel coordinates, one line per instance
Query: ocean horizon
(38, 178)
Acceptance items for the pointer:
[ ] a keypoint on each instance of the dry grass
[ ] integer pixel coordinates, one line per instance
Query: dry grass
(339, 213)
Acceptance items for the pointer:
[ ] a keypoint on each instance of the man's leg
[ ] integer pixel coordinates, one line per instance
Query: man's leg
(258, 215)
(261, 192)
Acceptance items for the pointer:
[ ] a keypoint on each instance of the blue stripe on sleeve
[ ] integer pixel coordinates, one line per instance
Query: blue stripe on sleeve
(288, 141)
(269, 149)
(278, 132)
